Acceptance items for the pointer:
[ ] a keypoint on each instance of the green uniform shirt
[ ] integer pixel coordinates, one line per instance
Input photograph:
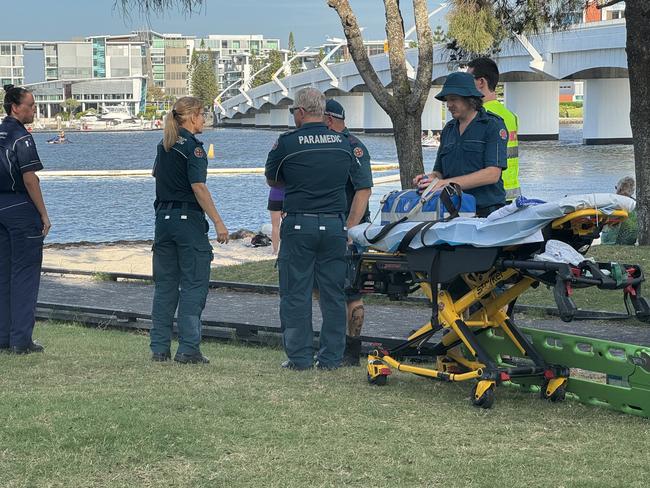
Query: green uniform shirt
(314, 163)
(175, 170)
(482, 145)
(365, 177)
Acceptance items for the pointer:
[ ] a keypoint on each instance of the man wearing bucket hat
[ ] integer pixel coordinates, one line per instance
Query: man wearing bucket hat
(473, 146)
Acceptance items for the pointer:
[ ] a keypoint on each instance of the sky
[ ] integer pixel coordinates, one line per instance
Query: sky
(310, 20)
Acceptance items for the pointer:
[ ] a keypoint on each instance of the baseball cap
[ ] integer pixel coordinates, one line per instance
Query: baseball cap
(334, 109)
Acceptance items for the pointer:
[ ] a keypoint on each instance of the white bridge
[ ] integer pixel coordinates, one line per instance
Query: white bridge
(531, 70)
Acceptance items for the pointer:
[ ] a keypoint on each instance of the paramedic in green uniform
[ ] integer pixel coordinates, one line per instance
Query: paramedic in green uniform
(486, 77)
(472, 150)
(358, 212)
(182, 252)
(314, 164)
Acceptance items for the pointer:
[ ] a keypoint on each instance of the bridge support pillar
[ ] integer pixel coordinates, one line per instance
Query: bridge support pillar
(354, 112)
(537, 105)
(263, 120)
(231, 121)
(432, 113)
(280, 117)
(248, 120)
(607, 112)
(375, 120)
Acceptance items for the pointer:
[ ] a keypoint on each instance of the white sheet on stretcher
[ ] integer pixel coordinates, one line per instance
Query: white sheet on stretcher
(508, 226)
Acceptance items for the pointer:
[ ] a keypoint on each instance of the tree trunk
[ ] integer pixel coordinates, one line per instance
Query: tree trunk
(637, 13)
(404, 106)
(407, 128)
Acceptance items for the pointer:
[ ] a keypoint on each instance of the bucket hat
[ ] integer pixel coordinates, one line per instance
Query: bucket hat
(461, 84)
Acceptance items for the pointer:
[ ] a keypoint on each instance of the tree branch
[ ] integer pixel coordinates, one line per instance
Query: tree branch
(396, 55)
(425, 56)
(608, 4)
(360, 56)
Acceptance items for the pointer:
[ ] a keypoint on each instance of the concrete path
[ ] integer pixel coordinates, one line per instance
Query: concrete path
(394, 321)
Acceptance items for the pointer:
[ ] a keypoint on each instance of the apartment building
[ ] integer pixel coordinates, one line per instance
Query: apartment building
(98, 72)
(166, 59)
(233, 54)
(11, 63)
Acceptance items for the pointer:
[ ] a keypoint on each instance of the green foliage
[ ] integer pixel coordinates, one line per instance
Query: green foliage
(262, 272)
(90, 111)
(70, 105)
(321, 55)
(2, 96)
(150, 112)
(439, 35)
(154, 93)
(275, 59)
(474, 26)
(99, 276)
(477, 27)
(572, 104)
(571, 109)
(295, 64)
(204, 84)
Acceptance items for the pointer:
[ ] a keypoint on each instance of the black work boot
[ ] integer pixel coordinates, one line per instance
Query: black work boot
(352, 351)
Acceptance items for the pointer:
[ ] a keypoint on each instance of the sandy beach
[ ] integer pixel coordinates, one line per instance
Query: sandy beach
(135, 257)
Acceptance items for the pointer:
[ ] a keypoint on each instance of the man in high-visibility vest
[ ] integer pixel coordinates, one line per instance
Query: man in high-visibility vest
(486, 78)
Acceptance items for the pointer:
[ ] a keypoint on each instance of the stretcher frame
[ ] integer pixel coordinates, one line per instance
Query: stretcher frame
(481, 341)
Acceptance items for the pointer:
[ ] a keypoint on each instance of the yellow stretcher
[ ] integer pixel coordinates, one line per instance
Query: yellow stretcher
(473, 290)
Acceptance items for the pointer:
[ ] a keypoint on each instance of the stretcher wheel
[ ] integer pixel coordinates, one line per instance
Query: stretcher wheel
(486, 400)
(380, 380)
(557, 396)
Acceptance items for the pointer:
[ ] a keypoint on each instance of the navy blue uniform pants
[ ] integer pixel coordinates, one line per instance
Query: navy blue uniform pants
(313, 247)
(21, 255)
(181, 271)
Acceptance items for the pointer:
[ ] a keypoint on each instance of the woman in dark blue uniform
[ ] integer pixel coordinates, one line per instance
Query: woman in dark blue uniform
(182, 252)
(24, 223)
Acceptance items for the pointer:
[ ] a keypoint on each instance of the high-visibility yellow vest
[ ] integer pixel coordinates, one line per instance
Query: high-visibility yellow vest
(511, 175)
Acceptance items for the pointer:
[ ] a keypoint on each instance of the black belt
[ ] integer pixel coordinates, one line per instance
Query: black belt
(326, 215)
(178, 205)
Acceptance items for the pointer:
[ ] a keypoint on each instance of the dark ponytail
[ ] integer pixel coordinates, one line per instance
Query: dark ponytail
(13, 95)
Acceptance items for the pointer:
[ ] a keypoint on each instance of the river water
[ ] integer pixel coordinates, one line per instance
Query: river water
(111, 209)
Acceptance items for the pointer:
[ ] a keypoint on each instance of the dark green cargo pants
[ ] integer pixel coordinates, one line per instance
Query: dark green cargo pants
(313, 246)
(181, 271)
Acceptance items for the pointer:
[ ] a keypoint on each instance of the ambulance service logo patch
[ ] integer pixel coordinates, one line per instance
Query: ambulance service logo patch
(199, 153)
(358, 152)
(503, 134)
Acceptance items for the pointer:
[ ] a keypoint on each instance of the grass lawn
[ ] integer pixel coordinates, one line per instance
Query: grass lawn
(263, 272)
(93, 411)
(572, 112)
